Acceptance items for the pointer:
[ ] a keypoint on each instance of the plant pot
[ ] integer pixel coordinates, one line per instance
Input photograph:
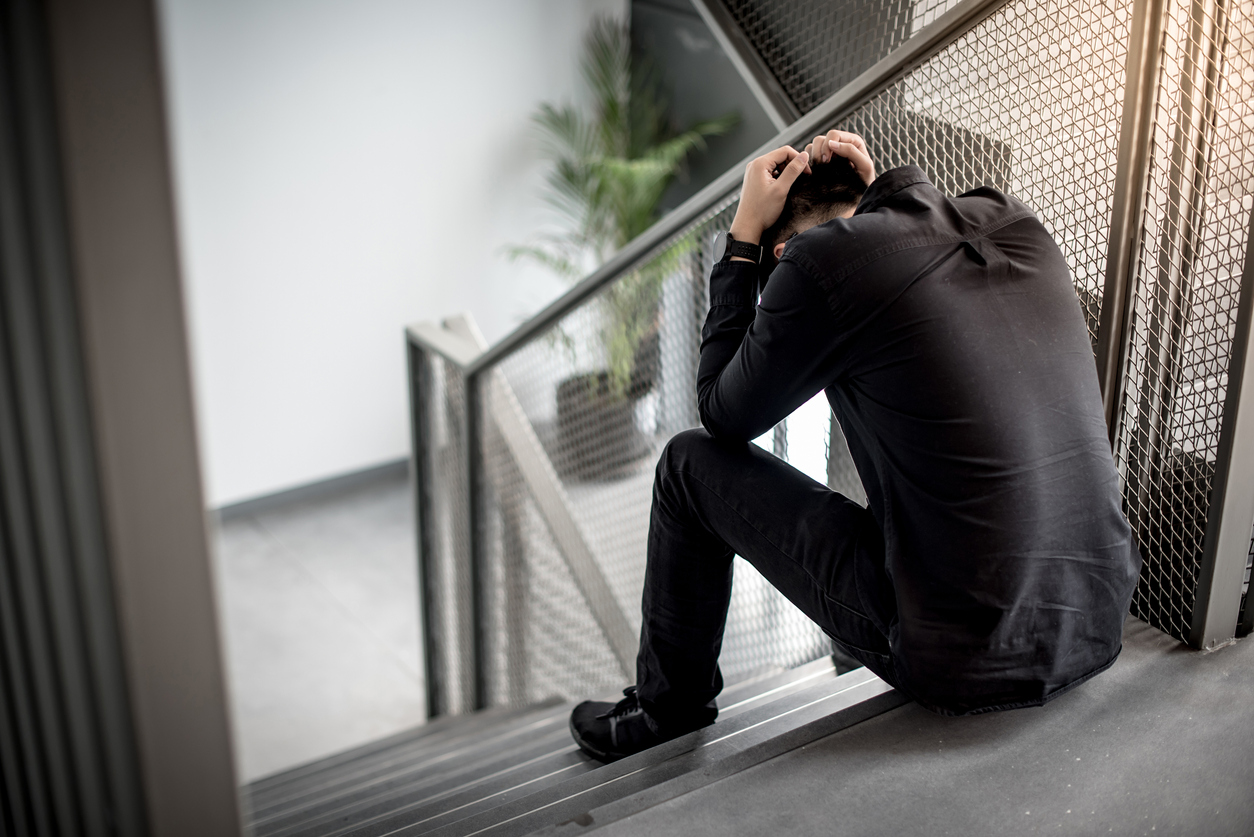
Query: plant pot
(597, 436)
(645, 363)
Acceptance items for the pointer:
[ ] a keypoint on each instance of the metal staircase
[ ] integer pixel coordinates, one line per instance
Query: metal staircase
(510, 772)
(529, 582)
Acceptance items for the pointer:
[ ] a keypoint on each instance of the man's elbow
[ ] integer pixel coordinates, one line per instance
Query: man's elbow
(721, 426)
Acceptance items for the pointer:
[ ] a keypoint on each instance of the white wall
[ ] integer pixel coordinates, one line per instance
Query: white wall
(345, 167)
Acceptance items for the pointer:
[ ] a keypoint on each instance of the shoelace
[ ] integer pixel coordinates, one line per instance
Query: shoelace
(627, 707)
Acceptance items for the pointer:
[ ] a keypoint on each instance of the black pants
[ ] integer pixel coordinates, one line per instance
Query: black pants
(713, 500)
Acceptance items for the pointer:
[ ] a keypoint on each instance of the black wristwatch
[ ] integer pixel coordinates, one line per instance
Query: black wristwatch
(725, 247)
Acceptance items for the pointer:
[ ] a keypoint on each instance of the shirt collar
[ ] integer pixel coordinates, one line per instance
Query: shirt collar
(888, 184)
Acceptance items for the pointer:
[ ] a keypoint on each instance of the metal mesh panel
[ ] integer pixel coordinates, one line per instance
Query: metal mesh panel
(601, 434)
(540, 638)
(814, 49)
(1197, 217)
(1028, 101)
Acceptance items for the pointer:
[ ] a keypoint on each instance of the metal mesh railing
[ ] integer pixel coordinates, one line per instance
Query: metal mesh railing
(541, 638)
(602, 430)
(606, 386)
(1027, 101)
(562, 423)
(814, 49)
(1197, 217)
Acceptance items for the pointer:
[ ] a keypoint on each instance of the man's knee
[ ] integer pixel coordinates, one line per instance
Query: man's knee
(683, 449)
(694, 452)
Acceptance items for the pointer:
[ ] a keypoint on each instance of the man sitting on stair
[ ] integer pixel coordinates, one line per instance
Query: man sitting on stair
(994, 566)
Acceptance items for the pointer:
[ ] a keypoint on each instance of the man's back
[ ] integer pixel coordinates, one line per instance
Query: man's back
(963, 377)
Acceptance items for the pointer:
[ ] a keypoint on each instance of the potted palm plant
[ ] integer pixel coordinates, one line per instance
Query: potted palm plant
(612, 163)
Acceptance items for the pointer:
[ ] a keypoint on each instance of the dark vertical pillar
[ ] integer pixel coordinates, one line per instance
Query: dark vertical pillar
(112, 703)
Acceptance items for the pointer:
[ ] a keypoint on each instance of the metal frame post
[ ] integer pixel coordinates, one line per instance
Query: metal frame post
(1246, 626)
(464, 327)
(451, 687)
(475, 515)
(779, 106)
(1144, 63)
(420, 464)
(1218, 603)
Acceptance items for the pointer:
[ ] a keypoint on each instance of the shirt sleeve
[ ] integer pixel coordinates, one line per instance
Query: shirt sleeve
(759, 364)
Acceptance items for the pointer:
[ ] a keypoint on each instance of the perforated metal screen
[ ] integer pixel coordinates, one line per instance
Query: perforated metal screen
(541, 637)
(1197, 219)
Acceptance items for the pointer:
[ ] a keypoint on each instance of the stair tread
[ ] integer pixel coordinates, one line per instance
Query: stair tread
(437, 805)
(405, 785)
(458, 733)
(661, 763)
(484, 768)
(420, 781)
(431, 739)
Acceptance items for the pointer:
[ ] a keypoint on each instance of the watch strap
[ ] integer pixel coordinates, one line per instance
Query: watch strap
(743, 249)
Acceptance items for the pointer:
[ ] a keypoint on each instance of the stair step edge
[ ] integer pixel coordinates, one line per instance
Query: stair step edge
(690, 752)
(414, 766)
(444, 725)
(623, 807)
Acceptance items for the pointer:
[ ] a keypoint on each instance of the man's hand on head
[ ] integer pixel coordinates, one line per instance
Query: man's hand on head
(843, 144)
(767, 181)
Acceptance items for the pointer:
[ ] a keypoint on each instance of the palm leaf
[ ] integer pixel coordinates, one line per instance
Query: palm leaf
(612, 164)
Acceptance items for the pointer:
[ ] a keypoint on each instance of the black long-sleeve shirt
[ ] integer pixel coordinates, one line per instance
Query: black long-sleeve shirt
(949, 340)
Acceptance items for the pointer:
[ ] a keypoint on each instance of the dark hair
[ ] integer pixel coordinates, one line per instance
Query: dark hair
(830, 188)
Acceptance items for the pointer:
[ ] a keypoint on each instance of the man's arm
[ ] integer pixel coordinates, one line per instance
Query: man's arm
(759, 364)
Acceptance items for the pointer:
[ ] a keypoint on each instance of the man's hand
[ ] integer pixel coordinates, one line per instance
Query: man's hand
(763, 194)
(843, 144)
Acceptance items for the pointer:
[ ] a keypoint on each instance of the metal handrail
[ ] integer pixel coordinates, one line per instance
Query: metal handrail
(918, 48)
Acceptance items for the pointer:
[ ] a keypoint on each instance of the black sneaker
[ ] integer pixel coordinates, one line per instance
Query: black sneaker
(611, 731)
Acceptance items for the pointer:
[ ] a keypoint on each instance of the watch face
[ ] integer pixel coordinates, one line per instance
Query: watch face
(720, 245)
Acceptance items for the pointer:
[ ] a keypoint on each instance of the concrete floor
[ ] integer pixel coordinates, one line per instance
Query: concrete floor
(318, 598)
(1162, 743)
